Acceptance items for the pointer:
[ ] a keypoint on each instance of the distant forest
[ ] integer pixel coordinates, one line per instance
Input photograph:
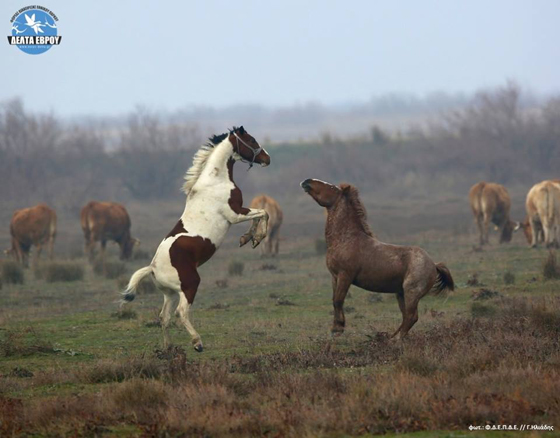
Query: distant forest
(494, 135)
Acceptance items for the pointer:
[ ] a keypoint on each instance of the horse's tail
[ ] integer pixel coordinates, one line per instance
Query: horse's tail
(445, 280)
(137, 277)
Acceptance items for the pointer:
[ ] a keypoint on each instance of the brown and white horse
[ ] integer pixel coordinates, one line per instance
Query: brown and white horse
(214, 203)
(355, 256)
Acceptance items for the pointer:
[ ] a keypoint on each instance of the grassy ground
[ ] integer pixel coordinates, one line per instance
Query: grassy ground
(71, 364)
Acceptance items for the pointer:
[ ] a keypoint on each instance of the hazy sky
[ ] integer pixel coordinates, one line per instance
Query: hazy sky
(172, 54)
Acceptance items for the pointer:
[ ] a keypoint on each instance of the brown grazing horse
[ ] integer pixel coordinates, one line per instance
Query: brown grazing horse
(32, 226)
(271, 242)
(103, 221)
(490, 202)
(356, 257)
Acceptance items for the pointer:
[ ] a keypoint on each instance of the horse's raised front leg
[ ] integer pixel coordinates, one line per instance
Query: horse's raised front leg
(258, 229)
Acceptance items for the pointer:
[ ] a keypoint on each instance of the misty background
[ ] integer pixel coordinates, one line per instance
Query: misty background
(413, 102)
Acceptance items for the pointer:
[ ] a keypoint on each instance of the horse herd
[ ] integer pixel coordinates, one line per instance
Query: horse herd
(214, 202)
(490, 202)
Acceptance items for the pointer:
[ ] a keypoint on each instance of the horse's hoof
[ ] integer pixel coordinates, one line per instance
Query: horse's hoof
(255, 243)
(198, 348)
(337, 331)
(243, 240)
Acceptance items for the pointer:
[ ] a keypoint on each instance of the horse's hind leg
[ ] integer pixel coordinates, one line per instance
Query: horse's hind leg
(189, 285)
(170, 302)
(184, 312)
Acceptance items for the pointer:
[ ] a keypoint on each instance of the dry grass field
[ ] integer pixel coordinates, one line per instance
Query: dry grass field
(73, 364)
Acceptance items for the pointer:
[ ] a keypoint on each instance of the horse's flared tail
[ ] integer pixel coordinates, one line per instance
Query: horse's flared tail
(445, 280)
(137, 277)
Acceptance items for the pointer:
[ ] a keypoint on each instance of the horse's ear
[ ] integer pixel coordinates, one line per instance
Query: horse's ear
(241, 130)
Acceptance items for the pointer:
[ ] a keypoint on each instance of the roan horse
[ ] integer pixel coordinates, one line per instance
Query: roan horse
(214, 203)
(355, 256)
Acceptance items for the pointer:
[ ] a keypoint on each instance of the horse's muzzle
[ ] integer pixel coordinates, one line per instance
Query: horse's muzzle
(306, 185)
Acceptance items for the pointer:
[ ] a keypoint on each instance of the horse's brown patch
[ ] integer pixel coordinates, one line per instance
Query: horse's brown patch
(187, 253)
(235, 200)
(177, 229)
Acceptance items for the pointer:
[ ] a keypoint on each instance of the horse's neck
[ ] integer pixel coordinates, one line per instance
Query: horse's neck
(215, 170)
(341, 223)
(219, 159)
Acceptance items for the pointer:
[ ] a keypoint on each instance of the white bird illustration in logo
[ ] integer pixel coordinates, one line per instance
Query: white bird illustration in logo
(35, 25)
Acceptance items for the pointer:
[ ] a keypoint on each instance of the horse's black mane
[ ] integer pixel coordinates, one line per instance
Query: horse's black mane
(217, 139)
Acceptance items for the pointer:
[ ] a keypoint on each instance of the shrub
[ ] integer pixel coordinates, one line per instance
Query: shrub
(509, 277)
(113, 269)
(235, 268)
(482, 310)
(485, 294)
(222, 284)
(551, 269)
(125, 314)
(284, 302)
(473, 280)
(12, 272)
(320, 246)
(416, 364)
(59, 271)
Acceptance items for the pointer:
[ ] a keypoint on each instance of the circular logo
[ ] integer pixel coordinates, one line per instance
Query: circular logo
(34, 30)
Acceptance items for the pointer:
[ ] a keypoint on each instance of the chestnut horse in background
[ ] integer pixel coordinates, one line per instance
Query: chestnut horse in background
(214, 203)
(356, 257)
(275, 216)
(32, 226)
(104, 221)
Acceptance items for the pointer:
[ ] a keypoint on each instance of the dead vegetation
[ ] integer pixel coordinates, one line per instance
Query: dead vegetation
(467, 371)
(113, 269)
(59, 271)
(12, 272)
(551, 268)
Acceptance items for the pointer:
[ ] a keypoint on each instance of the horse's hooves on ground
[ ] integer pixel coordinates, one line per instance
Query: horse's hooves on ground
(336, 332)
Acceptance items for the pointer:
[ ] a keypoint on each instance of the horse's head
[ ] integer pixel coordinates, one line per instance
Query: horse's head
(324, 193)
(247, 148)
(509, 228)
(127, 246)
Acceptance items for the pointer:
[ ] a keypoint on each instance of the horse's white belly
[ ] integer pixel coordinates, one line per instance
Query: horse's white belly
(208, 226)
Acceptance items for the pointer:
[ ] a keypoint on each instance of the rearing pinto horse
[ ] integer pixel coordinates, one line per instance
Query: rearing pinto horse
(214, 203)
(355, 256)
